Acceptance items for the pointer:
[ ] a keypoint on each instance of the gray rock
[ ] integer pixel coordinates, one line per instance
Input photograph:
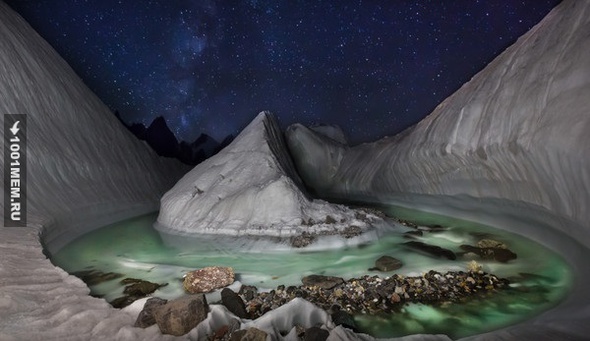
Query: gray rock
(179, 316)
(387, 263)
(324, 282)
(433, 250)
(344, 319)
(499, 254)
(303, 240)
(248, 291)
(146, 316)
(233, 302)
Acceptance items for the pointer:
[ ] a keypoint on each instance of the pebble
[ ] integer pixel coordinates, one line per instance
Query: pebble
(375, 295)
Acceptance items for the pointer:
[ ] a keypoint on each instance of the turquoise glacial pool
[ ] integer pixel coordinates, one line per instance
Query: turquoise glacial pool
(540, 278)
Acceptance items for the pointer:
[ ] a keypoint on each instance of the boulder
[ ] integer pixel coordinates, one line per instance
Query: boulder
(324, 282)
(490, 243)
(433, 250)
(234, 303)
(387, 263)
(344, 319)
(501, 255)
(208, 279)
(180, 316)
(139, 288)
(146, 316)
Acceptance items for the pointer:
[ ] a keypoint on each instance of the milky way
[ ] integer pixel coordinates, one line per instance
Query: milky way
(373, 67)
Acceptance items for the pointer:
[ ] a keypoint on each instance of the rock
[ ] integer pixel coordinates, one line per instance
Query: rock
(302, 240)
(434, 228)
(233, 302)
(351, 231)
(135, 289)
(122, 302)
(248, 291)
(252, 334)
(503, 255)
(140, 288)
(208, 279)
(324, 282)
(94, 277)
(433, 250)
(344, 319)
(490, 243)
(146, 316)
(316, 334)
(387, 263)
(180, 316)
(498, 254)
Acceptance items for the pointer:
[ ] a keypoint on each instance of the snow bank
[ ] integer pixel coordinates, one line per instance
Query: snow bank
(518, 130)
(85, 170)
(512, 141)
(251, 188)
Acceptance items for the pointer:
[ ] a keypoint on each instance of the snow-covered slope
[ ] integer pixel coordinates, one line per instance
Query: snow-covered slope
(85, 170)
(512, 142)
(518, 130)
(251, 188)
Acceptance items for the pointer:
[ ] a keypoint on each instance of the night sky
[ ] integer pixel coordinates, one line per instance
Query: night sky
(373, 67)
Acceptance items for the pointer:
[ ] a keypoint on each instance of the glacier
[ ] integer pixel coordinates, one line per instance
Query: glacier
(510, 141)
(251, 188)
(511, 145)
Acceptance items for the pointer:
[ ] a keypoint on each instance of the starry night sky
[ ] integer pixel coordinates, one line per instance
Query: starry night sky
(373, 67)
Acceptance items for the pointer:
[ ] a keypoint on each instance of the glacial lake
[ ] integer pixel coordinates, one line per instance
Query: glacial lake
(540, 278)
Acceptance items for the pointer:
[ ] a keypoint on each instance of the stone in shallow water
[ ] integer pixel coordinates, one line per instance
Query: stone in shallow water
(146, 316)
(387, 263)
(134, 290)
(178, 317)
(139, 287)
(499, 254)
(344, 319)
(413, 234)
(433, 250)
(93, 277)
(487, 243)
(208, 279)
(324, 282)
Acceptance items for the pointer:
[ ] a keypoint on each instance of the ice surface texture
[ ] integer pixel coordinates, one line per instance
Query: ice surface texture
(85, 170)
(250, 188)
(516, 136)
(518, 130)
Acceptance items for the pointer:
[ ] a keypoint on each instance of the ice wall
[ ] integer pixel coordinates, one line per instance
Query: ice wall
(511, 149)
(85, 170)
(518, 130)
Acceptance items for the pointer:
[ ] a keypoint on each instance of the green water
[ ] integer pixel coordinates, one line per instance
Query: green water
(135, 249)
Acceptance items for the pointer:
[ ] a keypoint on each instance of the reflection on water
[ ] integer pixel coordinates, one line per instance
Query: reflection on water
(133, 248)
